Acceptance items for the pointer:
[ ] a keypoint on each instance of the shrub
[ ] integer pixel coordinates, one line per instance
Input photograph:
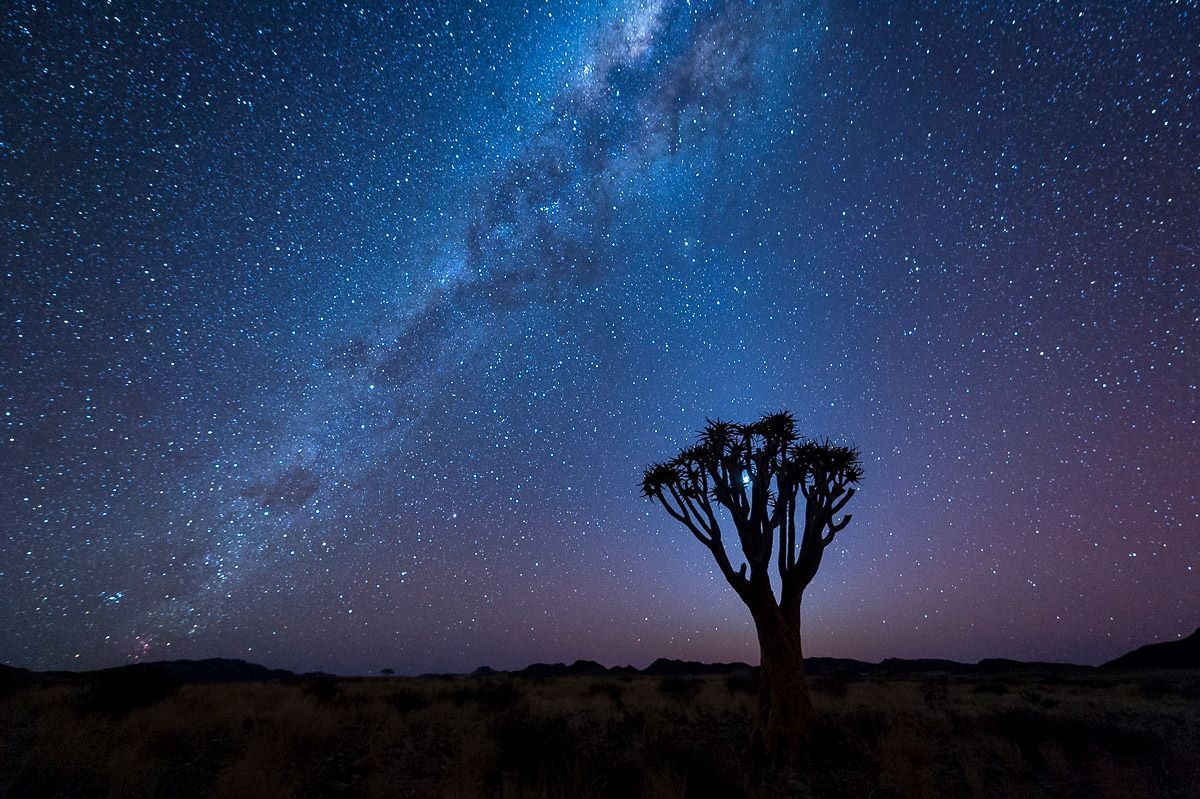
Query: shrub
(681, 689)
(487, 694)
(609, 689)
(407, 700)
(321, 687)
(119, 691)
(992, 687)
(742, 682)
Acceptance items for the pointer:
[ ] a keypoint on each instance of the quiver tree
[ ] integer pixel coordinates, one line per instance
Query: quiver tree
(783, 495)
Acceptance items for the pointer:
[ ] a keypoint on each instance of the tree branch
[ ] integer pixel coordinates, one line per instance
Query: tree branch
(841, 503)
(736, 579)
(791, 531)
(712, 542)
(835, 528)
(683, 519)
(763, 506)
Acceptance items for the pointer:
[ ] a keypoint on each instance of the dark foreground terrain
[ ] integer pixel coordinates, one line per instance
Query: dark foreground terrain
(999, 730)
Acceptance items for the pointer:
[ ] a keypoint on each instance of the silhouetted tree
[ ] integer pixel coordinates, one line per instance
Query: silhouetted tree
(782, 493)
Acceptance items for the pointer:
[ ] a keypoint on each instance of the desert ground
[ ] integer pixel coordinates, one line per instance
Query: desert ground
(1026, 731)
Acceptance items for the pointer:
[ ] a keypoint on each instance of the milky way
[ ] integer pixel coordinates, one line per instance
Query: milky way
(336, 337)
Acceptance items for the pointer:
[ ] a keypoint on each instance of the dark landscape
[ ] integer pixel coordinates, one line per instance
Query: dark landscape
(900, 728)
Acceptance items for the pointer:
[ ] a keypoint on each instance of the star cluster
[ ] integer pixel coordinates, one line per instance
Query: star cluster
(335, 336)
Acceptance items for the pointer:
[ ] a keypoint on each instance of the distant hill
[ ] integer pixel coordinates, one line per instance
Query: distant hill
(1183, 654)
(12, 678)
(560, 669)
(891, 667)
(12, 672)
(921, 666)
(665, 667)
(211, 670)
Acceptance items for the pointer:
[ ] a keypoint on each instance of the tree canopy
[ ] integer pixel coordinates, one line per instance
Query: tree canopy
(759, 472)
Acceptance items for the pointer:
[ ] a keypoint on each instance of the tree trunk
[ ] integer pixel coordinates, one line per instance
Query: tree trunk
(784, 706)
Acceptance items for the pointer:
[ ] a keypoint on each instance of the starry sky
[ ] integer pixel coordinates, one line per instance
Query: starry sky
(335, 336)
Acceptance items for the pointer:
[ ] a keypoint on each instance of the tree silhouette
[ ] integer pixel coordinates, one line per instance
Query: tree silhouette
(759, 473)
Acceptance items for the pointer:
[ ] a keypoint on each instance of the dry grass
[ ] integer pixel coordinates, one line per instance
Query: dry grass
(996, 736)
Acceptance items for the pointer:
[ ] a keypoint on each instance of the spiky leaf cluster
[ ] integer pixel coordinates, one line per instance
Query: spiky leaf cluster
(748, 453)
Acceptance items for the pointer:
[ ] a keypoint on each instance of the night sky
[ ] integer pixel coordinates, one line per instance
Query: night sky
(335, 336)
